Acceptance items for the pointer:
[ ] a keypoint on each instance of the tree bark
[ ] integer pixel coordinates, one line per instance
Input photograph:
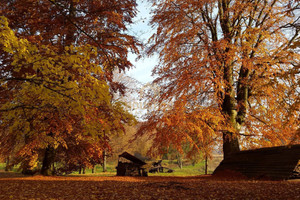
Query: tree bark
(104, 161)
(179, 161)
(229, 109)
(230, 144)
(206, 165)
(48, 161)
(7, 164)
(230, 138)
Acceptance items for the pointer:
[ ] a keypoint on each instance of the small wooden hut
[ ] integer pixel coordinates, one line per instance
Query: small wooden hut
(129, 165)
(277, 163)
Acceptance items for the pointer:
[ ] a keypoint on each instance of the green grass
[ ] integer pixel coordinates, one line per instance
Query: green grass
(14, 169)
(2, 165)
(187, 169)
(111, 171)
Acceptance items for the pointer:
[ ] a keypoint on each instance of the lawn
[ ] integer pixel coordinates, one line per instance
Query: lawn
(189, 170)
(186, 170)
(16, 186)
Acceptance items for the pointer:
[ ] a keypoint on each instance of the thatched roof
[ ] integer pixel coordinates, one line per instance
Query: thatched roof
(276, 163)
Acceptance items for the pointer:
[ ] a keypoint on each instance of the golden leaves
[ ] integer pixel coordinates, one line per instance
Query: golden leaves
(57, 99)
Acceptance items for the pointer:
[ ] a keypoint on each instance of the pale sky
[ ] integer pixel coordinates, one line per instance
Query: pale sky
(141, 29)
(143, 67)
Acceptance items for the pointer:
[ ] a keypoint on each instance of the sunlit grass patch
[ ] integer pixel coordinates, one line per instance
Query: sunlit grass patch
(186, 170)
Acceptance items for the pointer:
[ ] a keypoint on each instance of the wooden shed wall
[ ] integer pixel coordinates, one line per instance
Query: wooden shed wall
(276, 163)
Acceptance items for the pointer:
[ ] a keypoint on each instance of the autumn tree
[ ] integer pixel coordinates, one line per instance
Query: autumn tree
(56, 79)
(226, 71)
(100, 23)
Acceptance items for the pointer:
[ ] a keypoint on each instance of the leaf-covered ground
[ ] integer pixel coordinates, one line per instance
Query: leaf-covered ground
(200, 187)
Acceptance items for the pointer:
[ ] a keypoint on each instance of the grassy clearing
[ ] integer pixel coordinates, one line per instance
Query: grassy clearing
(14, 169)
(187, 169)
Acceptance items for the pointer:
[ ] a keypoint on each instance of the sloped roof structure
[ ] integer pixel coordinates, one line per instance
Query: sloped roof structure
(132, 158)
(277, 163)
(131, 167)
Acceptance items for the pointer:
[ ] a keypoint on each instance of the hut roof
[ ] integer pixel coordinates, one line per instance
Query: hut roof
(277, 163)
(132, 158)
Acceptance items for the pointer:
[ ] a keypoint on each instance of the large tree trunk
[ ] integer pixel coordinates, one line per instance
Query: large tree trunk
(27, 165)
(230, 144)
(7, 167)
(229, 109)
(48, 161)
(179, 160)
(206, 165)
(230, 137)
(104, 161)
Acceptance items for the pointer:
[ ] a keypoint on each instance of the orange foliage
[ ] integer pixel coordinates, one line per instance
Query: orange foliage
(227, 68)
(56, 80)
